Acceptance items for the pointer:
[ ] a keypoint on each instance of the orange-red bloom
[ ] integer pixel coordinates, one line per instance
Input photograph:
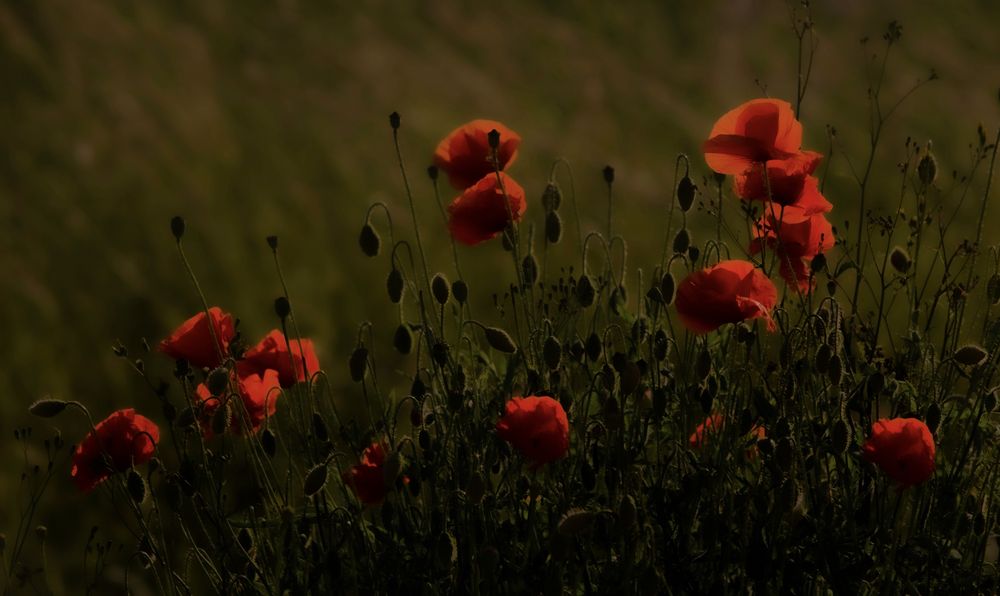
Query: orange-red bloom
(259, 394)
(481, 212)
(465, 154)
(729, 292)
(120, 441)
(903, 448)
(537, 427)
(756, 132)
(789, 181)
(273, 353)
(368, 478)
(193, 340)
(714, 423)
(797, 237)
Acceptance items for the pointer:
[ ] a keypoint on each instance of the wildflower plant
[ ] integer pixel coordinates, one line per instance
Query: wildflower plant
(784, 406)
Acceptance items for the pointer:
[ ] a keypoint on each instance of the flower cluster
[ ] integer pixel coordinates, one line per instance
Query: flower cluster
(473, 156)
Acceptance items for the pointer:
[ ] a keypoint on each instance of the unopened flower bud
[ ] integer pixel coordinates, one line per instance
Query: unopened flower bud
(460, 290)
(553, 227)
(440, 288)
(282, 308)
(272, 241)
(402, 340)
(609, 174)
(551, 197)
(493, 138)
(217, 381)
(177, 226)
(900, 259)
(369, 241)
(529, 269)
(394, 285)
(682, 241)
(394, 120)
(927, 168)
(686, 191)
(432, 172)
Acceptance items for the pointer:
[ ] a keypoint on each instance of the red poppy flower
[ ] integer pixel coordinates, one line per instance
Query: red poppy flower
(790, 183)
(481, 212)
(120, 441)
(715, 423)
(797, 237)
(273, 353)
(368, 478)
(729, 292)
(537, 427)
(465, 154)
(259, 394)
(756, 132)
(903, 448)
(193, 339)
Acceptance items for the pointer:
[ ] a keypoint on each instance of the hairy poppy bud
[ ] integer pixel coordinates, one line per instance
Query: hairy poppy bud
(319, 428)
(402, 340)
(990, 401)
(432, 172)
(440, 288)
(136, 486)
(460, 290)
(272, 241)
(394, 285)
(369, 241)
(818, 263)
(500, 340)
(177, 226)
(552, 352)
(551, 197)
(933, 417)
(553, 227)
(358, 364)
(609, 174)
(217, 380)
(493, 138)
(594, 347)
(529, 269)
(900, 259)
(927, 168)
(682, 241)
(971, 355)
(394, 120)
(221, 418)
(282, 308)
(585, 292)
(667, 287)
(315, 480)
(47, 408)
(686, 191)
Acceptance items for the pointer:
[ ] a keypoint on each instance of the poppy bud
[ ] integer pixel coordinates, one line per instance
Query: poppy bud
(369, 241)
(394, 285)
(971, 355)
(686, 191)
(500, 340)
(402, 340)
(552, 352)
(315, 480)
(993, 289)
(432, 172)
(136, 486)
(358, 363)
(667, 287)
(493, 138)
(551, 197)
(268, 442)
(47, 408)
(609, 174)
(282, 308)
(217, 381)
(703, 365)
(818, 263)
(272, 241)
(585, 292)
(439, 352)
(682, 241)
(460, 290)
(440, 288)
(900, 260)
(394, 120)
(177, 227)
(553, 227)
(831, 287)
(529, 269)
(594, 347)
(927, 168)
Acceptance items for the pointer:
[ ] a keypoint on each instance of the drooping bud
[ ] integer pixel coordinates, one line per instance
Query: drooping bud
(47, 408)
(552, 352)
(493, 138)
(315, 479)
(358, 363)
(136, 486)
(402, 340)
(369, 241)
(686, 191)
(551, 197)
(667, 286)
(682, 241)
(585, 292)
(553, 227)
(272, 241)
(394, 285)
(394, 120)
(500, 340)
(971, 355)
(432, 172)
(609, 174)
(217, 381)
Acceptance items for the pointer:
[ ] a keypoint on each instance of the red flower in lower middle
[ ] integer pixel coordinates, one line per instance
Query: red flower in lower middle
(482, 212)
(537, 427)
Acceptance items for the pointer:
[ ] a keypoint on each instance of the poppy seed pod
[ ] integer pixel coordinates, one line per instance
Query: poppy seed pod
(466, 155)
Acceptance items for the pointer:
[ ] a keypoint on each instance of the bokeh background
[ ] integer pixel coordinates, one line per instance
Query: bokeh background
(258, 118)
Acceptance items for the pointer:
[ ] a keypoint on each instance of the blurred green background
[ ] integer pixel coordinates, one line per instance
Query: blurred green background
(257, 118)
